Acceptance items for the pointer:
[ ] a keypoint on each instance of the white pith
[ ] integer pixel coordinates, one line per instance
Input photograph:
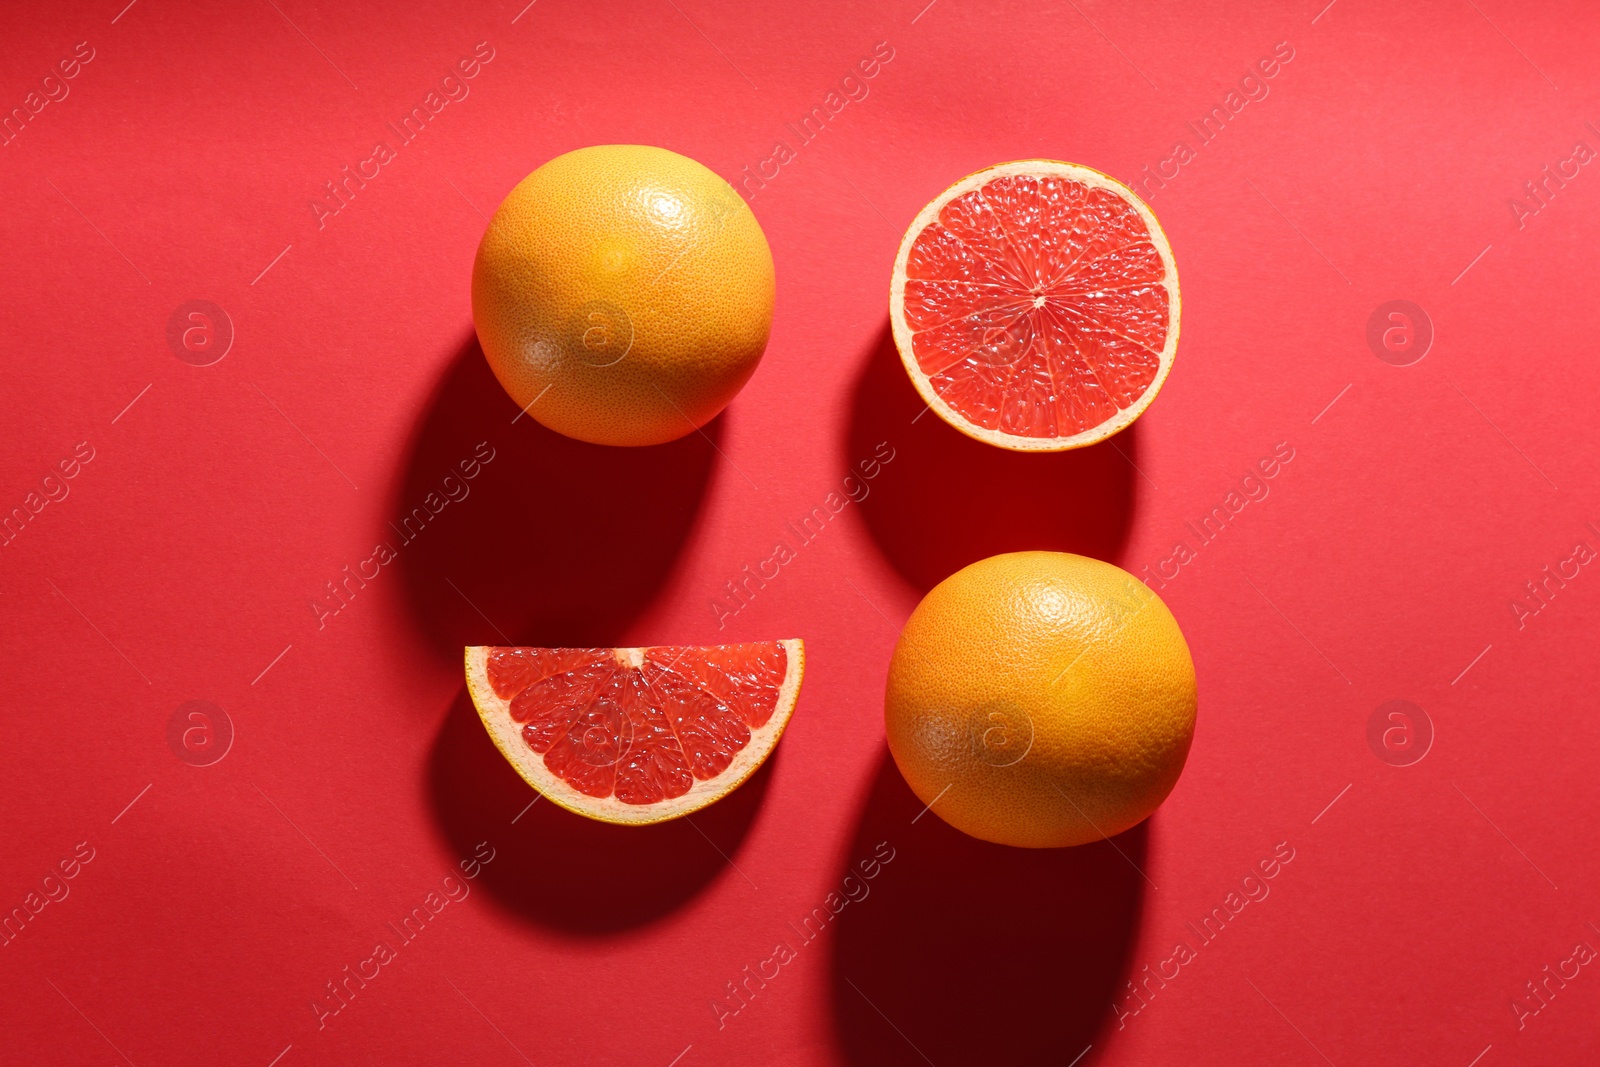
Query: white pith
(506, 733)
(903, 333)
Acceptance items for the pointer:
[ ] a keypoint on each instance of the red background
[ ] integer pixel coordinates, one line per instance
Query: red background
(1382, 566)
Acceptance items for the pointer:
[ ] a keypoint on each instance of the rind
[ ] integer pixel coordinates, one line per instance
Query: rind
(902, 331)
(506, 734)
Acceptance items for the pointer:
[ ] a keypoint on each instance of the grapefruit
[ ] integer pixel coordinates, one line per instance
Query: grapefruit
(636, 735)
(1041, 699)
(623, 294)
(1035, 305)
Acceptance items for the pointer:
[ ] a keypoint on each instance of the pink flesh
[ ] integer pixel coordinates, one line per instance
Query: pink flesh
(1036, 306)
(641, 734)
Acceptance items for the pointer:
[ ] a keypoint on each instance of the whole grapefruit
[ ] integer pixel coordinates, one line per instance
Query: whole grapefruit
(1041, 699)
(623, 294)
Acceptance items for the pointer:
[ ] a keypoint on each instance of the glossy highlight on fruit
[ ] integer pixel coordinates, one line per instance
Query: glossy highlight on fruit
(1035, 305)
(623, 294)
(636, 735)
(1041, 699)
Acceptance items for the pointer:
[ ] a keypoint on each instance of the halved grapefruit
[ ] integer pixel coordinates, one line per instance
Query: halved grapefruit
(1035, 305)
(636, 735)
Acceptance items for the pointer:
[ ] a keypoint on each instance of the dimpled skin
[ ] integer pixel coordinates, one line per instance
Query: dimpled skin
(623, 294)
(1041, 699)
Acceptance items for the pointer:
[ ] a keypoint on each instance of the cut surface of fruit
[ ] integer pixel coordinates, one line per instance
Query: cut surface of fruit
(636, 735)
(1035, 305)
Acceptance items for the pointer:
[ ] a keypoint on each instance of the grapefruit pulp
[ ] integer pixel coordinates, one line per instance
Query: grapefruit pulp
(636, 735)
(1035, 305)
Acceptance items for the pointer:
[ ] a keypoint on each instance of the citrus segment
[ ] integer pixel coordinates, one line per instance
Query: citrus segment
(636, 735)
(1035, 305)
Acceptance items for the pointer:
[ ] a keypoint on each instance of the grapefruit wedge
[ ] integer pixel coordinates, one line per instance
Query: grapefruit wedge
(636, 735)
(1035, 305)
